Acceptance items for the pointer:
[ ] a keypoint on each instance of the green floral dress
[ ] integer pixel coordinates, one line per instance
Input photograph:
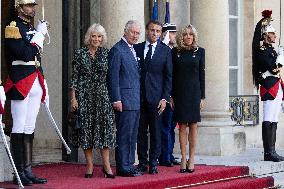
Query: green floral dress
(89, 79)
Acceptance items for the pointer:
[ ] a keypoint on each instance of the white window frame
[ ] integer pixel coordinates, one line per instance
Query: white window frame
(239, 67)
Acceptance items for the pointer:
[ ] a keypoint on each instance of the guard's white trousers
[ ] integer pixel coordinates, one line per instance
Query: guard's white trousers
(271, 108)
(24, 112)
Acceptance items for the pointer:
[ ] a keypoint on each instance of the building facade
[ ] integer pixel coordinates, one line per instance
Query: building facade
(225, 29)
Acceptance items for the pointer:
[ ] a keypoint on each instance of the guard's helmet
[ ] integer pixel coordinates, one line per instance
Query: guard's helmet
(24, 2)
(169, 27)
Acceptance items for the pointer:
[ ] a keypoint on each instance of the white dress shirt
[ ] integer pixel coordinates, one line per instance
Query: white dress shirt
(131, 48)
(147, 48)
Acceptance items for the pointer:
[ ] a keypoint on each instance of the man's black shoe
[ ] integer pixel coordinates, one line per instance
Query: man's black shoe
(175, 162)
(153, 170)
(129, 174)
(167, 164)
(142, 168)
(271, 156)
(25, 181)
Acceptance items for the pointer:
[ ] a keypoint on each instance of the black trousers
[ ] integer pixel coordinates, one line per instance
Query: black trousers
(150, 122)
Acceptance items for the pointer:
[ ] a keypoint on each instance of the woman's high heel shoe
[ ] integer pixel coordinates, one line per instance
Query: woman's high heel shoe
(108, 175)
(89, 175)
(187, 168)
(183, 170)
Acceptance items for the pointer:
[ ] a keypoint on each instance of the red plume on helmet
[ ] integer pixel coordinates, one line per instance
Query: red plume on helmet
(266, 13)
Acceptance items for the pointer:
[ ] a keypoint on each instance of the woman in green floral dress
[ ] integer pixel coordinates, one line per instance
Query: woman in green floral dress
(89, 96)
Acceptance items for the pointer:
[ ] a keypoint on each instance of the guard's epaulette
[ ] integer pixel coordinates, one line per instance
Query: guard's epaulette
(12, 31)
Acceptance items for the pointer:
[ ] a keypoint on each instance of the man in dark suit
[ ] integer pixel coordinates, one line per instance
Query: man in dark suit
(156, 81)
(124, 86)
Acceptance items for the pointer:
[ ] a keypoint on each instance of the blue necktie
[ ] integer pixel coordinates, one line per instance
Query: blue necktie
(149, 54)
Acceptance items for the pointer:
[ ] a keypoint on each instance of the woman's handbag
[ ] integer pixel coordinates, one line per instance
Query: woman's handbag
(74, 120)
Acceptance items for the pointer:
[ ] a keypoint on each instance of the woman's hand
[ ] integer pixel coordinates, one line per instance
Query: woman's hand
(202, 104)
(74, 104)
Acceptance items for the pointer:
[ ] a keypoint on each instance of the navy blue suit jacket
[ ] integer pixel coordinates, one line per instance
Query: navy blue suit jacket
(157, 72)
(123, 76)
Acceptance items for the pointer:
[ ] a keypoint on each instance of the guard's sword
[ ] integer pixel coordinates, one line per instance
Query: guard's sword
(42, 9)
(9, 155)
(43, 19)
(56, 128)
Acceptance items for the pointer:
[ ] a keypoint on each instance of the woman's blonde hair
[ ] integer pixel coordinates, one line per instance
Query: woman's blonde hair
(98, 29)
(182, 32)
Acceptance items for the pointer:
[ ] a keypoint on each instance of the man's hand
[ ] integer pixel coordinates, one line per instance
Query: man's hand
(74, 104)
(202, 104)
(162, 105)
(117, 106)
(42, 27)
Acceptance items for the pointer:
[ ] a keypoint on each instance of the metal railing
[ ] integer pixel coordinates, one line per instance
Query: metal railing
(245, 109)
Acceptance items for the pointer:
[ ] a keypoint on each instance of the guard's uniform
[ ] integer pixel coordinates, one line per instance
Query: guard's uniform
(25, 87)
(270, 83)
(168, 128)
(266, 65)
(25, 81)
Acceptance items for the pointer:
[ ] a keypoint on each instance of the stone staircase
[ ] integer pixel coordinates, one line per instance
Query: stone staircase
(253, 158)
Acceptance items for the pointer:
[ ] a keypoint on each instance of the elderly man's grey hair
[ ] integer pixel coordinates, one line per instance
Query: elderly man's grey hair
(129, 24)
(98, 29)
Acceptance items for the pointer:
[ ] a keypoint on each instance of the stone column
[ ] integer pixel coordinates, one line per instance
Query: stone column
(179, 12)
(217, 136)
(115, 14)
(46, 140)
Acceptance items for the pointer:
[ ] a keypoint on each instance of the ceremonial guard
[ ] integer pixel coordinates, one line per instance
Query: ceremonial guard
(25, 85)
(166, 158)
(267, 64)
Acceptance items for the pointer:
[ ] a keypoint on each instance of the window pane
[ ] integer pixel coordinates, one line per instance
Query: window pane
(233, 42)
(233, 7)
(233, 82)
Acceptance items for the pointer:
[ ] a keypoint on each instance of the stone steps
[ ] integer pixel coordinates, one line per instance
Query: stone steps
(253, 158)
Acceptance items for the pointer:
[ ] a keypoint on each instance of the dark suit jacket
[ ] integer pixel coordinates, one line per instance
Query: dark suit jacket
(157, 72)
(123, 76)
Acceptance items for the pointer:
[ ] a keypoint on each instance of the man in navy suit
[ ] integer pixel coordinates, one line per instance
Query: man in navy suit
(156, 81)
(124, 86)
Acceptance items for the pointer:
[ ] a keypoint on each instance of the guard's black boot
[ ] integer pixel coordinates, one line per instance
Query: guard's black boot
(274, 129)
(28, 149)
(267, 138)
(17, 151)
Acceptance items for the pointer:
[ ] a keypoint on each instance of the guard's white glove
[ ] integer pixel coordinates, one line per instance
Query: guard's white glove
(41, 31)
(42, 27)
(281, 50)
(2, 99)
(280, 57)
(46, 100)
